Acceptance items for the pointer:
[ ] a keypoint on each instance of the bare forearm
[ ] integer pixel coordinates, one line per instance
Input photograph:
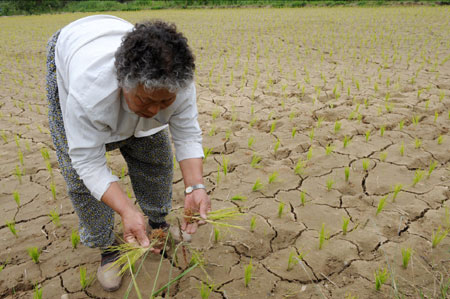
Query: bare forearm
(192, 170)
(117, 200)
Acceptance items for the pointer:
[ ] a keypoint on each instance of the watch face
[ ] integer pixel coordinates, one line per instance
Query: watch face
(189, 189)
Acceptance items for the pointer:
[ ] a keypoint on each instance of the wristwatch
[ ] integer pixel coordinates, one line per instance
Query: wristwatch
(194, 187)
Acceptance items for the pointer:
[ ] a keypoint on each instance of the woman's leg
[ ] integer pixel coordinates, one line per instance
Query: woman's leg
(96, 218)
(150, 166)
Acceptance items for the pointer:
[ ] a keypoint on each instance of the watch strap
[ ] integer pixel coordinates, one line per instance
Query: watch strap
(190, 189)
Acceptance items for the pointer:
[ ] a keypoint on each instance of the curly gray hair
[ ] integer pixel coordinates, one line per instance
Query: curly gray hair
(155, 55)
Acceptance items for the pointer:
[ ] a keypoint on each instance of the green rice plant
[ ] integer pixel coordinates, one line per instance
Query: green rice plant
(330, 183)
(273, 177)
(16, 139)
(302, 198)
(345, 222)
(406, 256)
(292, 115)
(367, 135)
(215, 114)
(16, 197)
(415, 120)
(382, 129)
(250, 142)
(294, 259)
(431, 168)
(310, 153)
(280, 209)
(34, 253)
(74, 238)
(417, 143)
(337, 126)
(212, 131)
(276, 146)
(319, 121)
(85, 280)
(18, 174)
(257, 185)
(401, 124)
(255, 161)
(294, 132)
(248, 273)
(381, 277)
(12, 227)
(418, 176)
(5, 139)
(329, 149)
(206, 152)
(311, 134)
(238, 197)
(299, 167)
(438, 236)
(436, 115)
(54, 216)
(253, 121)
(37, 294)
(347, 173)
(402, 149)
(346, 141)
(383, 156)
(322, 236)
(365, 164)
(273, 126)
(397, 189)
(205, 290)
(225, 165)
(20, 156)
(53, 190)
(381, 204)
(216, 235)
(48, 164)
(253, 224)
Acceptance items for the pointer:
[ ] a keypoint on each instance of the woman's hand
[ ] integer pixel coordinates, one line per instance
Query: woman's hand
(134, 225)
(196, 202)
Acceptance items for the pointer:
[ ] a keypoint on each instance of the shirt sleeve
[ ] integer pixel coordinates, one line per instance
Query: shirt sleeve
(86, 138)
(184, 127)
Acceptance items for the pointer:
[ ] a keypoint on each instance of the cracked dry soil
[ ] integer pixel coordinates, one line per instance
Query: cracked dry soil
(261, 73)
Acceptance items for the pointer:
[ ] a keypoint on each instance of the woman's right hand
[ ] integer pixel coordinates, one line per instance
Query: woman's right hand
(134, 227)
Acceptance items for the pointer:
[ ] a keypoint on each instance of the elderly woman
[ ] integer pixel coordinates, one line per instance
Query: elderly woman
(114, 85)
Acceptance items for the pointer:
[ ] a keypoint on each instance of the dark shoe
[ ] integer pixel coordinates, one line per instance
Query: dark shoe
(107, 275)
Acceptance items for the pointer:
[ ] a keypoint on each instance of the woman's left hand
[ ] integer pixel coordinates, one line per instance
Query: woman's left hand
(196, 202)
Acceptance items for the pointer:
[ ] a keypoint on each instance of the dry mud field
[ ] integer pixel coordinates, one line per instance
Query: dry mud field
(290, 100)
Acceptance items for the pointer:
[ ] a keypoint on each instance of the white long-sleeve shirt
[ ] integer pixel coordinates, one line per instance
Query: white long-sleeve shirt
(94, 110)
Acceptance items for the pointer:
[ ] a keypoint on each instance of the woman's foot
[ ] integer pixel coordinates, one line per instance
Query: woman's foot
(107, 275)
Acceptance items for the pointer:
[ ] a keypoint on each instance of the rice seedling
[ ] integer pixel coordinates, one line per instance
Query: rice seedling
(329, 149)
(401, 124)
(255, 161)
(436, 115)
(365, 164)
(273, 126)
(16, 197)
(418, 176)
(212, 130)
(216, 235)
(215, 114)
(85, 279)
(53, 190)
(337, 126)
(74, 238)
(397, 189)
(347, 173)
(382, 129)
(54, 216)
(322, 236)
(5, 139)
(273, 177)
(302, 198)
(381, 204)
(345, 222)
(37, 294)
(20, 156)
(402, 149)
(319, 121)
(34, 253)
(438, 236)
(383, 156)
(294, 131)
(280, 209)
(346, 141)
(311, 134)
(225, 165)
(431, 168)
(329, 183)
(206, 152)
(310, 153)
(12, 227)
(257, 185)
(367, 135)
(381, 277)
(276, 146)
(417, 143)
(253, 224)
(415, 120)
(250, 142)
(205, 290)
(248, 273)
(406, 256)
(299, 167)
(238, 197)
(294, 259)
(18, 174)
